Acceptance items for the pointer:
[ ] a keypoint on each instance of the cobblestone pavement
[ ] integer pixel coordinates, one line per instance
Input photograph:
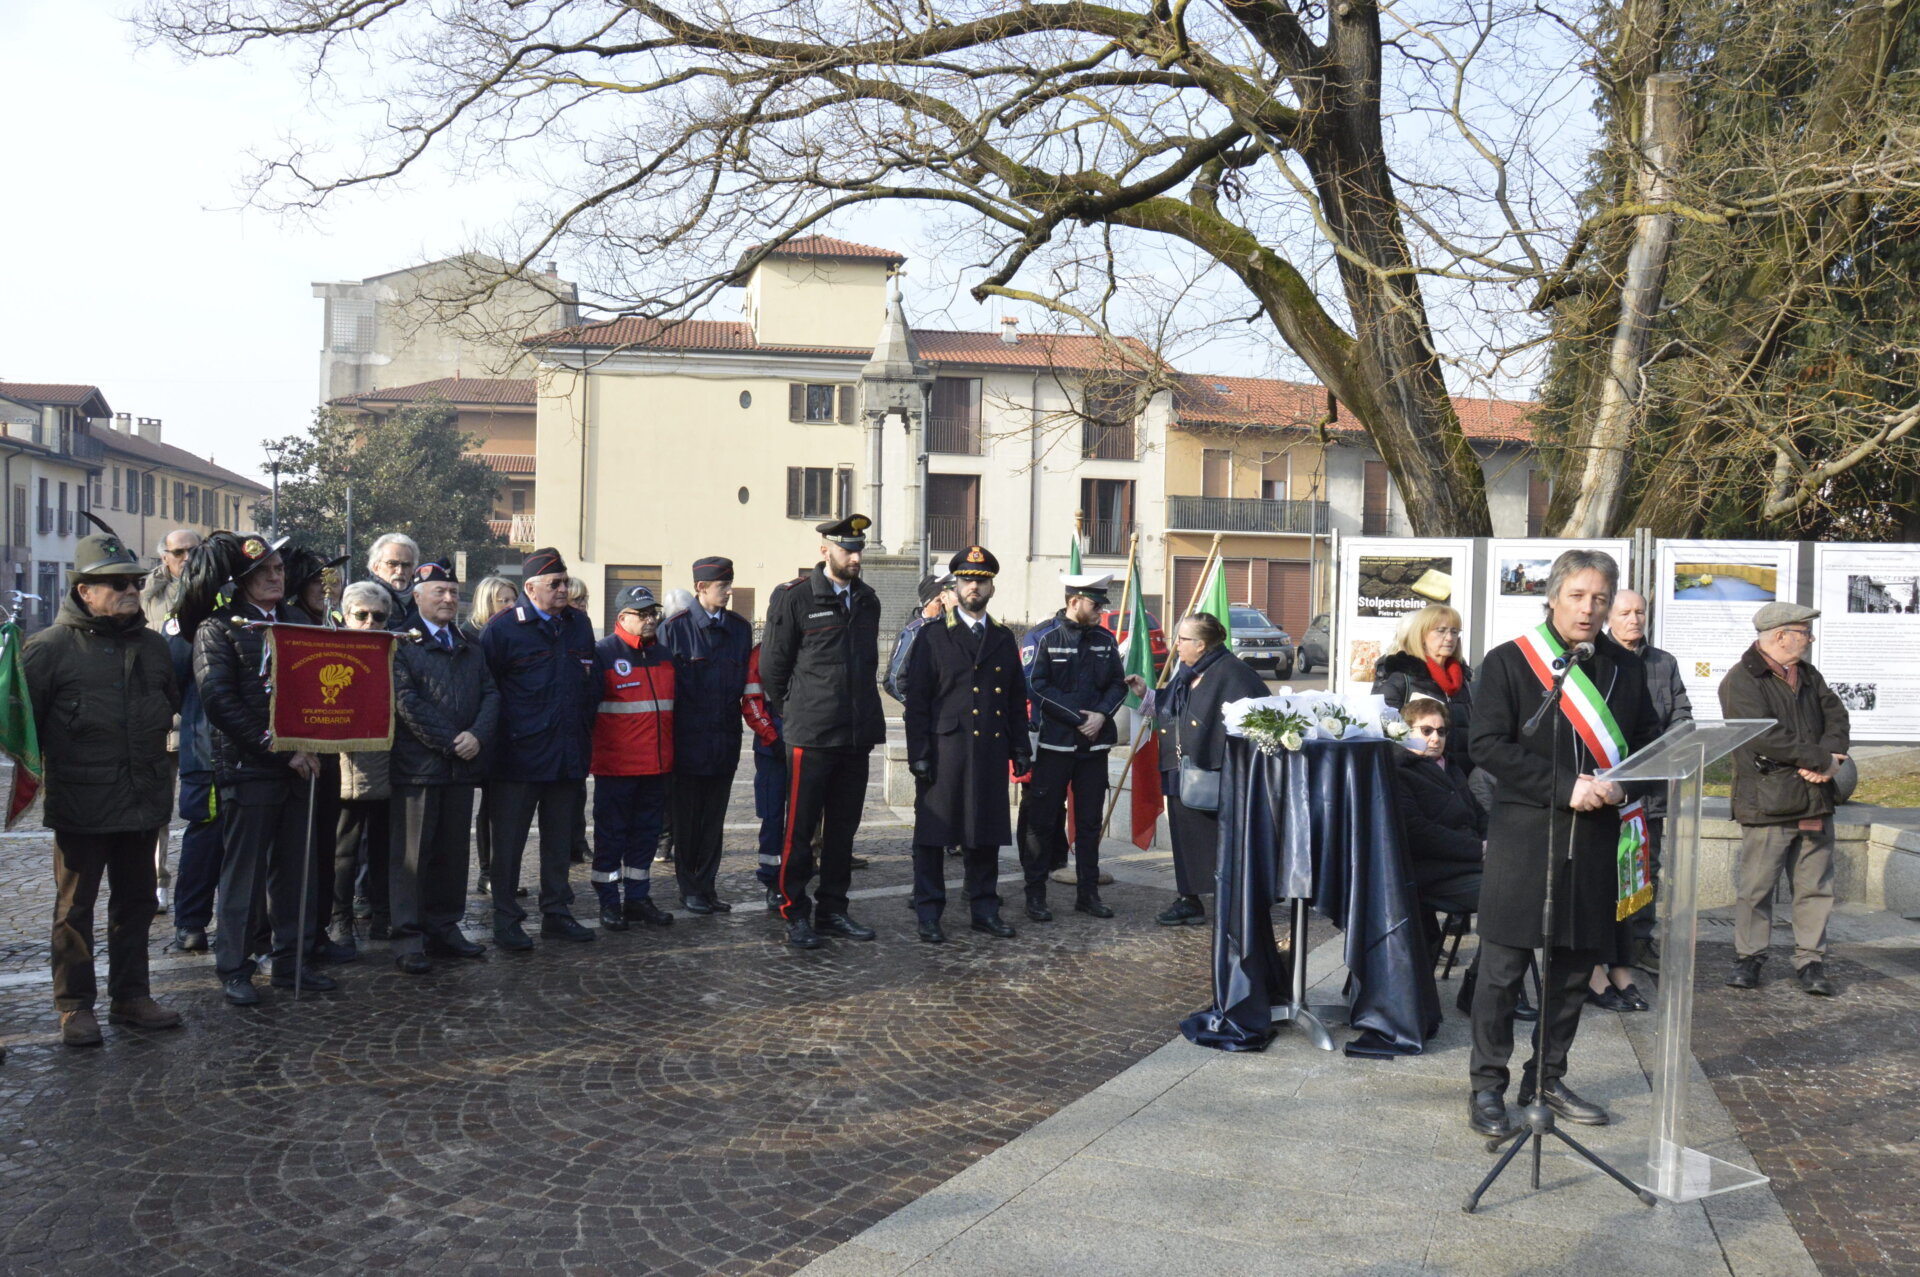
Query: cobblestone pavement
(700, 1099)
(1826, 1095)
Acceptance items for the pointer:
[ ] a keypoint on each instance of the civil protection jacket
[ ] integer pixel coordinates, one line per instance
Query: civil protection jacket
(819, 663)
(437, 694)
(103, 696)
(1071, 668)
(228, 651)
(1812, 726)
(634, 725)
(761, 721)
(709, 678)
(544, 670)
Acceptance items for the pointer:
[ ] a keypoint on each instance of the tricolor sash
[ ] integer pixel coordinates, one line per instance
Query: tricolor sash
(1593, 722)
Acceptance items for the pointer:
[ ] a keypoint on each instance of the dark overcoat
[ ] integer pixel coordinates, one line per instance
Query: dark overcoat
(966, 711)
(820, 663)
(1399, 678)
(1443, 827)
(709, 678)
(549, 688)
(1531, 811)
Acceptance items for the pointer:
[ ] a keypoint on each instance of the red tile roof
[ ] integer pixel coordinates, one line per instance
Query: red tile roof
(516, 391)
(505, 463)
(165, 454)
(1281, 405)
(54, 395)
(684, 334)
(1033, 350)
(827, 246)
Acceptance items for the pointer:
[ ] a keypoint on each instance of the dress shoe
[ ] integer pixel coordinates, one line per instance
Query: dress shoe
(612, 918)
(648, 912)
(380, 931)
(190, 939)
(1185, 911)
(454, 945)
(858, 862)
(801, 935)
(1746, 972)
(1608, 999)
(992, 925)
(512, 937)
(776, 901)
(931, 933)
(240, 991)
(839, 924)
(561, 926)
(1487, 1114)
(143, 1013)
(308, 981)
(1037, 908)
(79, 1028)
(1813, 978)
(701, 905)
(1090, 902)
(719, 905)
(1632, 999)
(1565, 1104)
(413, 963)
(335, 952)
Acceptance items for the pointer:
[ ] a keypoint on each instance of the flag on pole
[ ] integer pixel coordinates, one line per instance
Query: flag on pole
(1144, 779)
(1213, 597)
(1073, 556)
(18, 737)
(1136, 640)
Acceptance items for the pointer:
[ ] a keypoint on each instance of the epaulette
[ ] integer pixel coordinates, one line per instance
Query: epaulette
(520, 613)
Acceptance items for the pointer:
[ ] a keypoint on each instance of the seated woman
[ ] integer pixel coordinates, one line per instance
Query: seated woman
(1425, 662)
(1445, 828)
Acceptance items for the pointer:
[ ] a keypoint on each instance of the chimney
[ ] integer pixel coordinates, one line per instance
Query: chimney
(150, 429)
(552, 269)
(1010, 331)
(123, 422)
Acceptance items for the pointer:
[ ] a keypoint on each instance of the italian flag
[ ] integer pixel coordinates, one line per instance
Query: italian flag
(19, 738)
(1143, 766)
(1213, 598)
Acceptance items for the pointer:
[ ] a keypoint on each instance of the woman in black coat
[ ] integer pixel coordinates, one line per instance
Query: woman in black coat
(1188, 712)
(1425, 662)
(1446, 832)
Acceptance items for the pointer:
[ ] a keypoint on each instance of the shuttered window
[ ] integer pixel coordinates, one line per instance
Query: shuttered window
(1373, 510)
(819, 492)
(1538, 492)
(809, 401)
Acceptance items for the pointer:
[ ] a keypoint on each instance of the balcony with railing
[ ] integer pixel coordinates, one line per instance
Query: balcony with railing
(518, 530)
(1108, 537)
(947, 534)
(1246, 514)
(84, 447)
(955, 435)
(1106, 440)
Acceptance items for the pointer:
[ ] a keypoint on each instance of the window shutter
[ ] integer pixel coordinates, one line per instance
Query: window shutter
(796, 401)
(796, 489)
(843, 490)
(846, 405)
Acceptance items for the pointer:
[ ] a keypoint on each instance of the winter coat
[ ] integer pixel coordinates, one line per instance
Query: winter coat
(1532, 801)
(400, 612)
(1190, 705)
(544, 671)
(437, 694)
(103, 696)
(1812, 727)
(366, 776)
(193, 737)
(1443, 828)
(228, 650)
(633, 729)
(895, 681)
(965, 715)
(1671, 705)
(1400, 677)
(819, 662)
(1071, 668)
(158, 594)
(709, 678)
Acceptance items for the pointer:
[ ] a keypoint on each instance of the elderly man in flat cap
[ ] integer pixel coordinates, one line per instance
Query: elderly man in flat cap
(104, 696)
(1783, 794)
(711, 647)
(540, 653)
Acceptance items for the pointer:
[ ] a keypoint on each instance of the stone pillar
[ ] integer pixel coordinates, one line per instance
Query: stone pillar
(876, 426)
(915, 503)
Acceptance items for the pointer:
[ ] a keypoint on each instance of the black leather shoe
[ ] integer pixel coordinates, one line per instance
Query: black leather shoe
(719, 905)
(839, 924)
(454, 946)
(1487, 1114)
(648, 912)
(612, 918)
(1608, 999)
(190, 939)
(801, 935)
(775, 901)
(561, 926)
(1037, 909)
(1745, 973)
(1185, 911)
(701, 905)
(1813, 978)
(930, 933)
(993, 927)
(1565, 1104)
(310, 981)
(240, 991)
(413, 963)
(335, 952)
(512, 937)
(858, 862)
(1631, 999)
(1090, 902)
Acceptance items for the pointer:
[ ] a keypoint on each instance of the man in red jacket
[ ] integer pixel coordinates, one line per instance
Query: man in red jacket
(632, 758)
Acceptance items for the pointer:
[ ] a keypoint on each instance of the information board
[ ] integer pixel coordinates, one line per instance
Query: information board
(1867, 640)
(1517, 581)
(1704, 596)
(1385, 579)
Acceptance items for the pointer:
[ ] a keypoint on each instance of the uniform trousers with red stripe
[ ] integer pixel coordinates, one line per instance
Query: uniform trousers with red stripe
(628, 814)
(824, 783)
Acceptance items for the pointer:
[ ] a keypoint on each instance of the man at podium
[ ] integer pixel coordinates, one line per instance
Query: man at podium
(1544, 759)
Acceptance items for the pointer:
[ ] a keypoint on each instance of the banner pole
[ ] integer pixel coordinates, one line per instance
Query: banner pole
(1113, 793)
(306, 881)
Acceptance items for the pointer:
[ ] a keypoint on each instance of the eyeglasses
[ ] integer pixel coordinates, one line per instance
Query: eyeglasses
(121, 583)
(1184, 638)
(361, 614)
(1446, 630)
(1427, 730)
(397, 563)
(180, 553)
(1805, 634)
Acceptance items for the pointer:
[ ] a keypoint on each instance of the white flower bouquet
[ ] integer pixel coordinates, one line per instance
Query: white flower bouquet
(1290, 719)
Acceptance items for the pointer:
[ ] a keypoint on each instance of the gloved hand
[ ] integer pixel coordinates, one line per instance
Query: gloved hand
(922, 769)
(1022, 764)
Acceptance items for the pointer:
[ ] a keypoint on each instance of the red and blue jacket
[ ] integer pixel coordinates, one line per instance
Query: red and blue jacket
(633, 727)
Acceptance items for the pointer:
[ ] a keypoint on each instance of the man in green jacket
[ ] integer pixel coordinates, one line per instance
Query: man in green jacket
(103, 692)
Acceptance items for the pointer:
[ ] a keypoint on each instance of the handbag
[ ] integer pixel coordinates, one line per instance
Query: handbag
(1199, 788)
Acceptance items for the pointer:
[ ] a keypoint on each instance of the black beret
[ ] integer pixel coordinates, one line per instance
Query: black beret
(431, 571)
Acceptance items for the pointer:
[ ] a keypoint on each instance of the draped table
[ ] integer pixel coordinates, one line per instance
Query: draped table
(1317, 827)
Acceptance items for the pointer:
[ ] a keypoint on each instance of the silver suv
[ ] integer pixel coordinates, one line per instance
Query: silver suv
(1261, 643)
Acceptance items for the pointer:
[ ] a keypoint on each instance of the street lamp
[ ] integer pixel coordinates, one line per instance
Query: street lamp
(275, 450)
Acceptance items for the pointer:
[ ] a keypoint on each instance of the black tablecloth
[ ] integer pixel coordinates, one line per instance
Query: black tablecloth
(1319, 824)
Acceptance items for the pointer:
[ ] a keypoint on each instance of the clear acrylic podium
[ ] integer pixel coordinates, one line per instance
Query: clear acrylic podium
(1671, 1170)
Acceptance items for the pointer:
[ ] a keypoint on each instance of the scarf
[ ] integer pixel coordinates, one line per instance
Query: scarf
(1451, 677)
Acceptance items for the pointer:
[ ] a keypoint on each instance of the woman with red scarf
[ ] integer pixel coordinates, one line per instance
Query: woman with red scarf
(1424, 662)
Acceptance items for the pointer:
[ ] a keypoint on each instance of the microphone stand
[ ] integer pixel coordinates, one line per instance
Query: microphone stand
(1540, 1118)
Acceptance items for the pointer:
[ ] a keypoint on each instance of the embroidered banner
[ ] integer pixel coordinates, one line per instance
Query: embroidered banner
(332, 690)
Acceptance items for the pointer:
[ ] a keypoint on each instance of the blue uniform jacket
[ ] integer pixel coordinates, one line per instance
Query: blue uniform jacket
(548, 693)
(709, 678)
(896, 680)
(1071, 668)
(196, 751)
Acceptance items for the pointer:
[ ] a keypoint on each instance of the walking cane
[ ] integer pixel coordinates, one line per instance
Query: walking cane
(306, 881)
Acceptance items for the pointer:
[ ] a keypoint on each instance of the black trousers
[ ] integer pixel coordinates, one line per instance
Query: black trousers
(982, 870)
(483, 834)
(368, 824)
(514, 803)
(699, 821)
(79, 861)
(264, 824)
(1055, 773)
(198, 872)
(326, 821)
(824, 783)
(1502, 968)
(428, 872)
